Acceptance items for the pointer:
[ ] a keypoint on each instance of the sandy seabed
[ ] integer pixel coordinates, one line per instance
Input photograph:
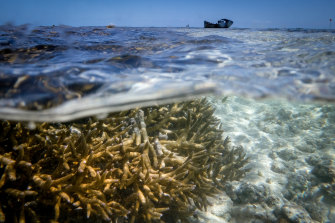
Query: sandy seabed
(292, 171)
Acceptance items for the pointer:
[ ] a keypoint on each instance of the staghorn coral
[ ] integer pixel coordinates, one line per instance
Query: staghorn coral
(154, 164)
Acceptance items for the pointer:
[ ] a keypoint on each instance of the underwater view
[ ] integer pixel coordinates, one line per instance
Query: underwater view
(121, 124)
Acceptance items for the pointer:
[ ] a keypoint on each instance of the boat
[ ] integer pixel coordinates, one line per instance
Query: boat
(222, 23)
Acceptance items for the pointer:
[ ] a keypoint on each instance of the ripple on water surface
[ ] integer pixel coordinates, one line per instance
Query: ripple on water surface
(43, 67)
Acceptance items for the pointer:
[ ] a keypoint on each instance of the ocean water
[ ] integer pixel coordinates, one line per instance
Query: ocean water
(120, 68)
(291, 148)
(273, 90)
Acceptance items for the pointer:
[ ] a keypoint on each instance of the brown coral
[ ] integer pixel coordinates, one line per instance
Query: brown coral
(153, 164)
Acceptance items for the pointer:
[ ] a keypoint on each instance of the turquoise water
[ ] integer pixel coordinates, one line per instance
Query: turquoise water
(280, 106)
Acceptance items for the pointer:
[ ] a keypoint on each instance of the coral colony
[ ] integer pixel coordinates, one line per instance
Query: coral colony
(155, 164)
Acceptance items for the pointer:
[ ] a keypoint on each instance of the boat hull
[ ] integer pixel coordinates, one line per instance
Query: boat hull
(223, 23)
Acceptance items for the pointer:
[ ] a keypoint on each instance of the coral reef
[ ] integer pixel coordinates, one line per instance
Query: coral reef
(155, 164)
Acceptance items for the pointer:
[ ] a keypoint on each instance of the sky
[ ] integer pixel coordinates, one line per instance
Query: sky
(170, 13)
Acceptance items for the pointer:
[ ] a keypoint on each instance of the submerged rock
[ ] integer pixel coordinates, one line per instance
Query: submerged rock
(325, 172)
(287, 154)
(295, 213)
(250, 193)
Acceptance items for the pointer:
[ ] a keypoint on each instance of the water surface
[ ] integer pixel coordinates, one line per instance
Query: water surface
(96, 70)
(61, 73)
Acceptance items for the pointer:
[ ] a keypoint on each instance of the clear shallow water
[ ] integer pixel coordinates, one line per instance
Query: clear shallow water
(291, 150)
(87, 70)
(62, 73)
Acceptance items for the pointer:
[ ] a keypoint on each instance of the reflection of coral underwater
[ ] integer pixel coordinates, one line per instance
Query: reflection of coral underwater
(145, 165)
